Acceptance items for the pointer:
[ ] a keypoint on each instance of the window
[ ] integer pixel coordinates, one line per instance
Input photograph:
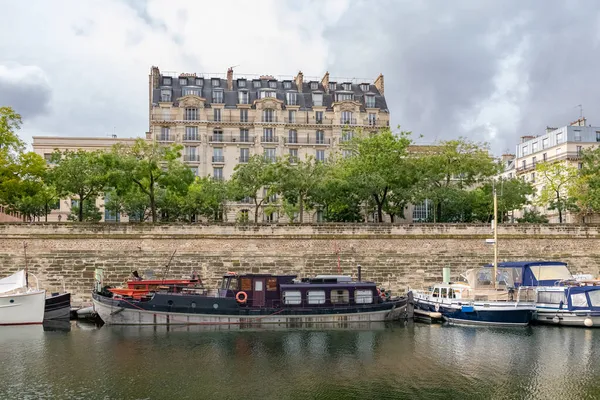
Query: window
(332, 85)
(344, 97)
(246, 284)
(165, 95)
(444, 293)
(533, 177)
(191, 114)
(268, 135)
(216, 82)
(292, 98)
(534, 147)
(273, 84)
(292, 116)
(244, 155)
(319, 216)
(217, 136)
(319, 117)
(218, 154)
(364, 87)
(315, 297)
(292, 297)
(256, 83)
(525, 150)
(314, 85)
(545, 157)
(167, 81)
(320, 137)
(317, 99)
(268, 115)
(579, 165)
(191, 91)
(597, 136)
(321, 155)
(217, 96)
(191, 133)
(421, 211)
(340, 296)
(347, 117)
(271, 284)
(244, 217)
(370, 101)
(182, 81)
(594, 297)
(579, 300)
(48, 158)
(241, 83)
(363, 296)
(244, 135)
(218, 173)
(579, 150)
(267, 93)
(347, 86)
(346, 153)
(293, 136)
(544, 143)
(244, 115)
(552, 297)
(217, 114)
(293, 155)
(534, 161)
(199, 82)
(270, 154)
(164, 133)
(189, 154)
(524, 164)
(270, 218)
(436, 292)
(372, 119)
(559, 137)
(287, 85)
(243, 97)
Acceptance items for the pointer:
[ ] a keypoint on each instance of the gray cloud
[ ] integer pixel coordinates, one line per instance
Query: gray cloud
(141, 9)
(26, 89)
(444, 63)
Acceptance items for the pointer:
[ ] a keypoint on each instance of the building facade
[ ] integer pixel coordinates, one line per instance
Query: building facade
(223, 121)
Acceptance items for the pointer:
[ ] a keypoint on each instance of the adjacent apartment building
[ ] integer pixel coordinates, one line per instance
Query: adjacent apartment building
(563, 144)
(224, 120)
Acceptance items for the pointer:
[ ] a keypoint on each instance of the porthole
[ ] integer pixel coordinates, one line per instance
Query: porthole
(12, 301)
(193, 304)
(170, 302)
(215, 306)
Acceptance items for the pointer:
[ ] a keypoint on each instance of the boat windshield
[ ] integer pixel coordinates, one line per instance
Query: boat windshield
(550, 272)
(482, 278)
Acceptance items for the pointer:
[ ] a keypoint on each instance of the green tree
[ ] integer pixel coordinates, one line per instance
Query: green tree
(10, 123)
(88, 213)
(453, 164)
(586, 188)
(532, 217)
(512, 194)
(80, 175)
(335, 197)
(147, 168)
(378, 165)
(249, 178)
(559, 180)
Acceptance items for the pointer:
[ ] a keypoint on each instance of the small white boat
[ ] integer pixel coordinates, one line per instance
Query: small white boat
(19, 304)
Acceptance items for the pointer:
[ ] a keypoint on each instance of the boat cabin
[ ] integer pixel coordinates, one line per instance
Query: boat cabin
(265, 290)
(528, 273)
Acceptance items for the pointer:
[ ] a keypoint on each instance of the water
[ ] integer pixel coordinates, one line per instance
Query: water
(382, 362)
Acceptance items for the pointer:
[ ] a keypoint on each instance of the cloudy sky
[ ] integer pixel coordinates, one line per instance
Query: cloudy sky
(488, 70)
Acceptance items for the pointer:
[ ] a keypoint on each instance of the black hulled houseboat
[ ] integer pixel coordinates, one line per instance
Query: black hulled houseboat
(253, 299)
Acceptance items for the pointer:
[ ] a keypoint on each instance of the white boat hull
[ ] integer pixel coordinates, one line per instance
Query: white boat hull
(22, 308)
(567, 318)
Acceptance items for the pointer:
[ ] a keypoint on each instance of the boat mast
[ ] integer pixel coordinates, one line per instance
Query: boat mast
(495, 239)
(26, 269)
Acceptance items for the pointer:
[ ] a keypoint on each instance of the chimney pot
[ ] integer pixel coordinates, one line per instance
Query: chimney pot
(230, 79)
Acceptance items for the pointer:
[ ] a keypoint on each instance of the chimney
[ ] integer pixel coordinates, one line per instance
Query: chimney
(299, 81)
(155, 75)
(550, 129)
(526, 138)
(579, 122)
(230, 79)
(325, 82)
(379, 84)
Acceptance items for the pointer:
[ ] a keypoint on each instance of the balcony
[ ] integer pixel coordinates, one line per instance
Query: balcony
(165, 138)
(244, 160)
(269, 139)
(231, 139)
(218, 159)
(307, 141)
(321, 121)
(218, 100)
(268, 119)
(228, 118)
(163, 117)
(376, 122)
(191, 158)
(191, 138)
(348, 121)
(571, 155)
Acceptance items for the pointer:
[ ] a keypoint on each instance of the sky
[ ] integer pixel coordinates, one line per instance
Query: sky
(491, 71)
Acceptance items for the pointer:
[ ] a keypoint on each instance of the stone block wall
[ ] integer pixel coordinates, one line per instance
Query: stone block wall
(395, 256)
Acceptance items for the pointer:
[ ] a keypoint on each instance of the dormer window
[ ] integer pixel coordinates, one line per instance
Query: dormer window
(347, 86)
(266, 93)
(216, 82)
(187, 91)
(165, 95)
(370, 101)
(332, 85)
(317, 99)
(257, 83)
(273, 84)
(292, 98)
(199, 82)
(364, 87)
(182, 81)
(243, 97)
(344, 97)
(314, 85)
(167, 81)
(241, 83)
(287, 85)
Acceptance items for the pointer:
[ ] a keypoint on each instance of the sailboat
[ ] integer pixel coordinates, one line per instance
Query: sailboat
(20, 304)
(486, 297)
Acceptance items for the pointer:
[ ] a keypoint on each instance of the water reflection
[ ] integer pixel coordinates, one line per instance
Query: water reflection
(413, 361)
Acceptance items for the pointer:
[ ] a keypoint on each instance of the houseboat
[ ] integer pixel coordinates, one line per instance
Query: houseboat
(253, 299)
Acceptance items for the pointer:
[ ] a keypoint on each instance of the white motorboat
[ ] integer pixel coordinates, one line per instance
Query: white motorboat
(19, 304)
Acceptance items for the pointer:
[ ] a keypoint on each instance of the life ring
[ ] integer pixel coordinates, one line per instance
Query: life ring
(241, 297)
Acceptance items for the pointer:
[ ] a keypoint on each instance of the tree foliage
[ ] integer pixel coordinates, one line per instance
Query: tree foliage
(251, 177)
(559, 181)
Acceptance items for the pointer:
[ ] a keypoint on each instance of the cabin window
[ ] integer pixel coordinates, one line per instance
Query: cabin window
(292, 297)
(594, 298)
(272, 284)
(551, 297)
(451, 294)
(363, 296)
(246, 284)
(436, 292)
(579, 300)
(316, 297)
(444, 293)
(340, 296)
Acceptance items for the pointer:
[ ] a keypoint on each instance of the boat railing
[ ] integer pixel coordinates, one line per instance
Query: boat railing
(278, 303)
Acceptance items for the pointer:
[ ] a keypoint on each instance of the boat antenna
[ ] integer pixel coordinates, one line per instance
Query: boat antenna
(168, 265)
(26, 269)
(495, 239)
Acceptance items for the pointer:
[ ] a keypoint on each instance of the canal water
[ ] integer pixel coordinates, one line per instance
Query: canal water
(412, 361)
